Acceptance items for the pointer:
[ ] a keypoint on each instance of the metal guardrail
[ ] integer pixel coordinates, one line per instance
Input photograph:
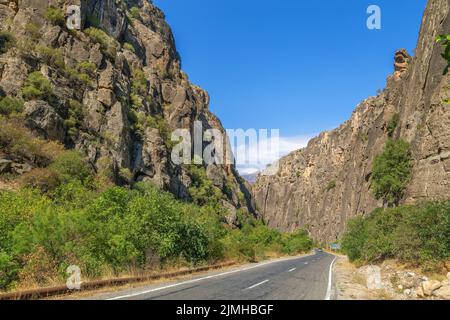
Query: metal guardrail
(91, 285)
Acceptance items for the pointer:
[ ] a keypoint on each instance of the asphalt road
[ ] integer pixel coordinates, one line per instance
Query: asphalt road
(305, 278)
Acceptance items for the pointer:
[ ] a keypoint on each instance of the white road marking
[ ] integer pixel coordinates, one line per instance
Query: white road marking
(256, 285)
(197, 280)
(293, 269)
(330, 280)
(306, 262)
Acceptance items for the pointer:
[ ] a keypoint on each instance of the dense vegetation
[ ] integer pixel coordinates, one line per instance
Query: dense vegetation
(62, 213)
(418, 235)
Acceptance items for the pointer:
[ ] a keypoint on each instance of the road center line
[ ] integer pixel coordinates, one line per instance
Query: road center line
(293, 269)
(200, 279)
(257, 285)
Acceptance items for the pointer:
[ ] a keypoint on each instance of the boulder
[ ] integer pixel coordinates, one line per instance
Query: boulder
(43, 120)
(5, 166)
(430, 286)
(373, 278)
(106, 96)
(21, 168)
(443, 292)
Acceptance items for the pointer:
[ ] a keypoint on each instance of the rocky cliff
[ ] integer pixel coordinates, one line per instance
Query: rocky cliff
(115, 95)
(323, 185)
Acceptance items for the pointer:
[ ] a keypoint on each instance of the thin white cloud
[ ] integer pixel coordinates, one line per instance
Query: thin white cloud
(255, 157)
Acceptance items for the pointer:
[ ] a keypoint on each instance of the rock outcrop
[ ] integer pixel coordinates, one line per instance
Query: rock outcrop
(129, 84)
(323, 185)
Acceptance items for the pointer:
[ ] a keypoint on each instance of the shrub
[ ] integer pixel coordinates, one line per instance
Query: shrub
(139, 83)
(107, 44)
(86, 67)
(51, 56)
(418, 235)
(37, 87)
(129, 46)
(42, 179)
(70, 165)
(9, 105)
(55, 16)
(297, 242)
(392, 172)
(392, 124)
(33, 30)
(134, 12)
(444, 40)
(202, 191)
(75, 115)
(331, 185)
(355, 238)
(79, 78)
(18, 142)
(6, 41)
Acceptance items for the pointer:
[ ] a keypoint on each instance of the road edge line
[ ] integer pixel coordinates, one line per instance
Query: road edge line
(330, 280)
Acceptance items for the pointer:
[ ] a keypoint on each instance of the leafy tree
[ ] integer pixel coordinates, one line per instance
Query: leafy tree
(444, 40)
(392, 172)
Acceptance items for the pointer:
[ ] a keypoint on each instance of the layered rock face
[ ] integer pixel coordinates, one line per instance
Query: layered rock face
(323, 185)
(137, 80)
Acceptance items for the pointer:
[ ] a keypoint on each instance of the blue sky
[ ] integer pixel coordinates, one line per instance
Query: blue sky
(294, 65)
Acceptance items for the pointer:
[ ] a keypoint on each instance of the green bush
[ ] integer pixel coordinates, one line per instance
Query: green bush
(75, 114)
(107, 44)
(37, 87)
(129, 46)
(55, 16)
(298, 242)
(139, 83)
(392, 172)
(70, 165)
(33, 30)
(51, 56)
(9, 105)
(392, 124)
(415, 234)
(18, 143)
(444, 40)
(6, 41)
(202, 191)
(134, 12)
(86, 67)
(331, 185)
